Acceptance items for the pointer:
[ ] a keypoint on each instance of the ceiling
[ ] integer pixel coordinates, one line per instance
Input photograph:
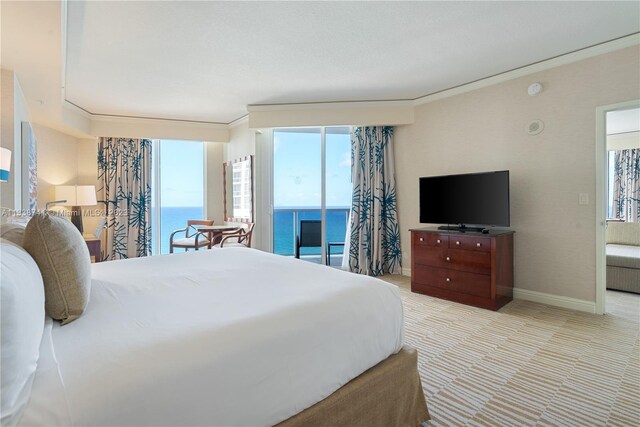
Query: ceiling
(206, 61)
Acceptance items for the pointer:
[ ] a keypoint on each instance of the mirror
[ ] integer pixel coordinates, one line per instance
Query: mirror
(238, 190)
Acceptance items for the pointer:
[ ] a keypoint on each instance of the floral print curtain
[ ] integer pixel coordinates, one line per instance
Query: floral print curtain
(124, 175)
(374, 235)
(626, 185)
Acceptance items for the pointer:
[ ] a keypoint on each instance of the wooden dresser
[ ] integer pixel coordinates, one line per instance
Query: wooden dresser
(466, 267)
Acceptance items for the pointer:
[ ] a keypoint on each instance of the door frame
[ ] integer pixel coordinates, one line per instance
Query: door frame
(602, 172)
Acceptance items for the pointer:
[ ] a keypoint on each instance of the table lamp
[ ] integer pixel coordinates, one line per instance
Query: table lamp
(5, 164)
(77, 196)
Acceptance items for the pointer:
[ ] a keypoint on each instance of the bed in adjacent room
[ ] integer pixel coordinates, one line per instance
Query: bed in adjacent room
(228, 337)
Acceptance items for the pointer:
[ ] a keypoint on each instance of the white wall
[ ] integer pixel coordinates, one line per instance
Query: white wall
(13, 108)
(484, 130)
(242, 142)
(215, 159)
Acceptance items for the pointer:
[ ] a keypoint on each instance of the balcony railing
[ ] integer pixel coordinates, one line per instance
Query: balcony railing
(286, 221)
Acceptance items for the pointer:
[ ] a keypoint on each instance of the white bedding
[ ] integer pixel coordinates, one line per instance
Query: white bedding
(215, 337)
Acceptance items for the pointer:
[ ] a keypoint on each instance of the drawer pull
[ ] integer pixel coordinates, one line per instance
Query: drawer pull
(448, 258)
(438, 241)
(478, 244)
(457, 242)
(448, 279)
(422, 239)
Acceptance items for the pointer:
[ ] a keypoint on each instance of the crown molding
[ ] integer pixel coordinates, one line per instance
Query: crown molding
(330, 105)
(108, 118)
(239, 121)
(564, 59)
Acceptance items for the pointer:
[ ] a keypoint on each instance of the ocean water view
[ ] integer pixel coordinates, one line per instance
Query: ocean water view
(283, 230)
(175, 218)
(172, 219)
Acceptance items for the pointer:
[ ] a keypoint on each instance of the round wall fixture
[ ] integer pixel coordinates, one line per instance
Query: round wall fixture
(534, 89)
(535, 127)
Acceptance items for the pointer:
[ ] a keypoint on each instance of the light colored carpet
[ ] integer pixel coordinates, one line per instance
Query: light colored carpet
(528, 364)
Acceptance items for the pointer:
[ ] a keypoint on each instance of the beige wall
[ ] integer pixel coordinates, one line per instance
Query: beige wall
(331, 114)
(64, 159)
(88, 174)
(57, 162)
(484, 130)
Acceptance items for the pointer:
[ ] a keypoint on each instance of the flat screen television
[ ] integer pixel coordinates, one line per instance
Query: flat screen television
(476, 199)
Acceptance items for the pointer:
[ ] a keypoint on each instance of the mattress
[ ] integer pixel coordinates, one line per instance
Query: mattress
(218, 337)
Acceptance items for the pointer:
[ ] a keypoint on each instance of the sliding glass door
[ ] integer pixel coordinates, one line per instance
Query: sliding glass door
(338, 189)
(178, 188)
(311, 181)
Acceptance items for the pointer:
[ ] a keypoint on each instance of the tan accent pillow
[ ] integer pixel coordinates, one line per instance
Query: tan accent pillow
(63, 258)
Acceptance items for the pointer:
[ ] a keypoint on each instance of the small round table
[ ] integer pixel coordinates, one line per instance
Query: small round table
(214, 232)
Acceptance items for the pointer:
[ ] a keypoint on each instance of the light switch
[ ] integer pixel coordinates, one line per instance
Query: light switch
(583, 199)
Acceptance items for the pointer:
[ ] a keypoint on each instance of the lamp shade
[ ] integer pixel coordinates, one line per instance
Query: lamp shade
(77, 195)
(5, 164)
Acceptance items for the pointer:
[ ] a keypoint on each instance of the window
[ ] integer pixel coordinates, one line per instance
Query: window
(611, 155)
(311, 181)
(178, 188)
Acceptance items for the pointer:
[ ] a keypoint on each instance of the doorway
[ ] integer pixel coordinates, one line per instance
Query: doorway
(618, 129)
(311, 188)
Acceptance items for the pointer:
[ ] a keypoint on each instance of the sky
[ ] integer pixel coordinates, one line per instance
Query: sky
(181, 173)
(297, 169)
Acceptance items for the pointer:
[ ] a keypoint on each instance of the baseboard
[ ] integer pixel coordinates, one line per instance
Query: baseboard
(543, 298)
(555, 300)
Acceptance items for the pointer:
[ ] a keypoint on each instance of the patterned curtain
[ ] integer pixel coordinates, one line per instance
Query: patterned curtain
(124, 175)
(626, 185)
(374, 235)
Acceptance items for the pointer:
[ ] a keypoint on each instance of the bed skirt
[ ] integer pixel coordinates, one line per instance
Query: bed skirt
(389, 394)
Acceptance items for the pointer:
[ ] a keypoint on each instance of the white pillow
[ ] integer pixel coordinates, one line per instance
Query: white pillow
(12, 232)
(22, 316)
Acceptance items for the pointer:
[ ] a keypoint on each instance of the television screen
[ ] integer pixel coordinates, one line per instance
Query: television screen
(475, 198)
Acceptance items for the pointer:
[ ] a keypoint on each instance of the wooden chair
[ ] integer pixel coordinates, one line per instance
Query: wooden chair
(190, 241)
(240, 238)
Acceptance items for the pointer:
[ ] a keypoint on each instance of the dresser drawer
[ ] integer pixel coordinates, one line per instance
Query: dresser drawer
(452, 280)
(431, 239)
(470, 243)
(470, 261)
(429, 255)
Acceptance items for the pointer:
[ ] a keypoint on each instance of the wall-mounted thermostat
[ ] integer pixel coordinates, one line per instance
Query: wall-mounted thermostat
(535, 127)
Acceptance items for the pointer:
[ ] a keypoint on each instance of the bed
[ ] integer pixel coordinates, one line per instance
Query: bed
(232, 337)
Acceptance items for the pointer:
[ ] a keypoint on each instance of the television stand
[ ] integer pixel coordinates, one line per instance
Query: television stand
(469, 268)
(460, 228)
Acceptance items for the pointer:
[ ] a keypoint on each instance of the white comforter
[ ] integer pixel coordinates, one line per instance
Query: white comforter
(220, 337)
